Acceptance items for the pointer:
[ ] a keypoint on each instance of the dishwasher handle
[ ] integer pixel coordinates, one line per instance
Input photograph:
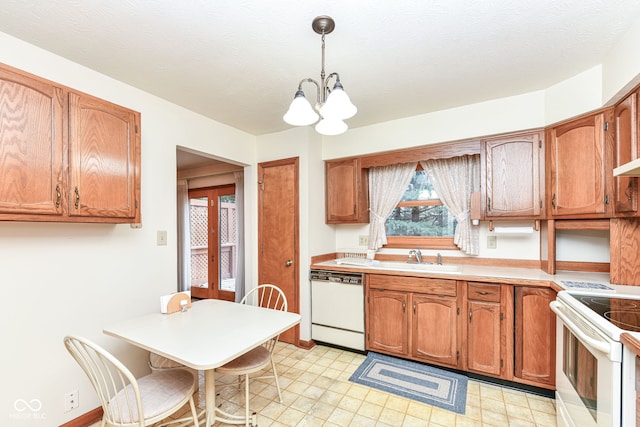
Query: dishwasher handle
(602, 346)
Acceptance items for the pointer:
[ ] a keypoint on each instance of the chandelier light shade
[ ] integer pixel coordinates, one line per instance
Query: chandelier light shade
(333, 105)
(300, 112)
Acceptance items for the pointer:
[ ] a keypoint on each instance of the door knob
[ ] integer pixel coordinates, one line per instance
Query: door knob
(288, 263)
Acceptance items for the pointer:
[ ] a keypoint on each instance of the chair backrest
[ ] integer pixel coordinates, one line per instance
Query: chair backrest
(115, 385)
(267, 296)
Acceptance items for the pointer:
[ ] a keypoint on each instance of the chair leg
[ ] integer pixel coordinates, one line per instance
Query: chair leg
(275, 377)
(246, 401)
(194, 413)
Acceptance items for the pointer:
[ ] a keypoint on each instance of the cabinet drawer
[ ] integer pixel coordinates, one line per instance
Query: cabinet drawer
(483, 291)
(444, 287)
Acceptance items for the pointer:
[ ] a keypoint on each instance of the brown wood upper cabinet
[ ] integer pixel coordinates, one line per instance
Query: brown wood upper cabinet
(66, 156)
(512, 173)
(346, 192)
(579, 167)
(626, 149)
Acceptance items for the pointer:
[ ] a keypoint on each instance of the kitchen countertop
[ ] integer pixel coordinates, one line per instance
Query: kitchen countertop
(509, 275)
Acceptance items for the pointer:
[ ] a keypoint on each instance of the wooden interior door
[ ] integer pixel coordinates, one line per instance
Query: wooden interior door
(278, 240)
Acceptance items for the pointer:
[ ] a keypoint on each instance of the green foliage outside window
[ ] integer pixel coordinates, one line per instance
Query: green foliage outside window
(420, 219)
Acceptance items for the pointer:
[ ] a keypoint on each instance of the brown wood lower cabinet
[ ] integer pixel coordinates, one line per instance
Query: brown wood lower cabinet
(500, 330)
(434, 330)
(535, 337)
(414, 318)
(388, 328)
(487, 329)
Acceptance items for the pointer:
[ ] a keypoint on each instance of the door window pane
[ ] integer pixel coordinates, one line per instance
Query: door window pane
(228, 242)
(199, 218)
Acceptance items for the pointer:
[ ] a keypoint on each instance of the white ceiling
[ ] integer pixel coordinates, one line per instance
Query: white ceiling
(239, 61)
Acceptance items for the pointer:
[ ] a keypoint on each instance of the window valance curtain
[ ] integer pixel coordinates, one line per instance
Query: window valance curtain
(387, 184)
(454, 179)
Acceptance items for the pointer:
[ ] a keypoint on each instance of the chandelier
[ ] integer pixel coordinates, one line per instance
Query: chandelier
(333, 106)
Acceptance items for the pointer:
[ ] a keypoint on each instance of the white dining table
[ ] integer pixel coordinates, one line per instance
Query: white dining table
(206, 336)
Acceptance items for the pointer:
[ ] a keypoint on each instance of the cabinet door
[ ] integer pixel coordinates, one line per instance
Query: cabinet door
(104, 144)
(387, 322)
(625, 188)
(512, 176)
(32, 146)
(484, 333)
(435, 329)
(346, 192)
(535, 331)
(577, 154)
(625, 251)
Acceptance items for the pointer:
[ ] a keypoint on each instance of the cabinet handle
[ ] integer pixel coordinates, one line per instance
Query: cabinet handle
(58, 195)
(77, 197)
(489, 203)
(483, 293)
(404, 306)
(553, 200)
(414, 307)
(470, 315)
(628, 192)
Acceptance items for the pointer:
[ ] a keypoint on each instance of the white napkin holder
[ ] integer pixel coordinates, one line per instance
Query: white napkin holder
(172, 303)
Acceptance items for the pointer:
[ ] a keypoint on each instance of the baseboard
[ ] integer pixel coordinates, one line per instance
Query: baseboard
(307, 345)
(85, 420)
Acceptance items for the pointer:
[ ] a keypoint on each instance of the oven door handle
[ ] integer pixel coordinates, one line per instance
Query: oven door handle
(601, 346)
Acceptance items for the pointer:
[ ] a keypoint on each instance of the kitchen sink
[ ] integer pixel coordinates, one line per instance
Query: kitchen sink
(425, 267)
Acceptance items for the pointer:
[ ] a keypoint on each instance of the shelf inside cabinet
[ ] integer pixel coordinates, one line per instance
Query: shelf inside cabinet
(628, 169)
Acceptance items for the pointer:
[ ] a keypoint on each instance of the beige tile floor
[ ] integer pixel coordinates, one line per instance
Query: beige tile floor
(317, 392)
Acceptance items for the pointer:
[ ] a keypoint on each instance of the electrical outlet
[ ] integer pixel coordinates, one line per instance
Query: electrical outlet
(363, 240)
(492, 242)
(71, 401)
(161, 238)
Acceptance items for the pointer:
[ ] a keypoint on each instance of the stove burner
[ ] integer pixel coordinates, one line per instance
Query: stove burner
(620, 303)
(623, 313)
(624, 319)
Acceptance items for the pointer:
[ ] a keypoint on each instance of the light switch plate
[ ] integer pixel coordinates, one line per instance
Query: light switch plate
(161, 238)
(492, 242)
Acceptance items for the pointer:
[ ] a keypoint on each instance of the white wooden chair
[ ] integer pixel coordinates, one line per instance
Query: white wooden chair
(268, 296)
(127, 401)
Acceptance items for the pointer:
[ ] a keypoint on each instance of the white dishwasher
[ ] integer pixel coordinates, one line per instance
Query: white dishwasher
(337, 308)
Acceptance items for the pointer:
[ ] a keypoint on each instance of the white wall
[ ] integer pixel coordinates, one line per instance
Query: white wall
(574, 96)
(63, 279)
(470, 121)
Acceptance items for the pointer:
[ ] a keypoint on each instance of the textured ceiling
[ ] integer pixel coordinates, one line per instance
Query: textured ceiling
(239, 61)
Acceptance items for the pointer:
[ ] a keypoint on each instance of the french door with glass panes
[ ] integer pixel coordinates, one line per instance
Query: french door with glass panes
(212, 220)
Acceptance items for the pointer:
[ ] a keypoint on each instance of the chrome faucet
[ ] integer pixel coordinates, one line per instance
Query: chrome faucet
(438, 259)
(415, 253)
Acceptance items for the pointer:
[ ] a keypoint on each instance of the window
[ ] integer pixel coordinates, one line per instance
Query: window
(420, 219)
